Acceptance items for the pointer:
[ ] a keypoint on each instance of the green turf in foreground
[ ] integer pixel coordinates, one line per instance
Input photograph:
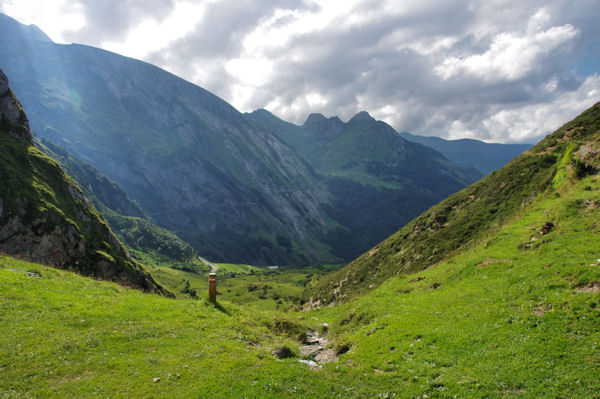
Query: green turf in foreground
(512, 317)
(517, 316)
(63, 335)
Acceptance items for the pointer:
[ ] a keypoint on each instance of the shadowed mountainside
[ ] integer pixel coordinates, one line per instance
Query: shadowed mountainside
(44, 216)
(378, 180)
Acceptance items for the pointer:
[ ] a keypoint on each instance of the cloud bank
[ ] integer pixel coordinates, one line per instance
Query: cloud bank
(499, 70)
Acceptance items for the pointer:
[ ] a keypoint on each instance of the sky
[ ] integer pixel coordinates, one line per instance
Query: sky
(497, 70)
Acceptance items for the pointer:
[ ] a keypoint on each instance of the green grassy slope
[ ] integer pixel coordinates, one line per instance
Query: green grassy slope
(111, 342)
(515, 316)
(465, 218)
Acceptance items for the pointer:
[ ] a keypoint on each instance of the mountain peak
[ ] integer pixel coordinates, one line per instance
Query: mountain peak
(323, 127)
(362, 116)
(29, 32)
(314, 118)
(260, 111)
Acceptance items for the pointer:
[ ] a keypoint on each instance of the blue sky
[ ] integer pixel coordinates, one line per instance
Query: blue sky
(497, 70)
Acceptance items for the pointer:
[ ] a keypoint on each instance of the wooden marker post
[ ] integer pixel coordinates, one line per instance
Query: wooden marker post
(212, 287)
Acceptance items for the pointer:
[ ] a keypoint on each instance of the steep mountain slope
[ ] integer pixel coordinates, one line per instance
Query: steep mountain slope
(379, 181)
(467, 217)
(44, 216)
(485, 157)
(124, 216)
(193, 163)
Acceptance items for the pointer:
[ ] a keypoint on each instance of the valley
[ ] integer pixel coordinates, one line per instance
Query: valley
(233, 186)
(512, 313)
(352, 261)
(494, 320)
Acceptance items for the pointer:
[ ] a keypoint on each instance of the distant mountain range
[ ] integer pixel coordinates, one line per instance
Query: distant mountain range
(378, 180)
(485, 157)
(242, 188)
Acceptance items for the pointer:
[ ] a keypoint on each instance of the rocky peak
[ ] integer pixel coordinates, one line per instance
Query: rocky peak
(315, 119)
(323, 127)
(12, 118)
(361, 117)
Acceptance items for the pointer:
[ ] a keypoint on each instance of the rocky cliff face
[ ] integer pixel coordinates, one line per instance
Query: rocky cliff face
(44, 216)
(13, 119)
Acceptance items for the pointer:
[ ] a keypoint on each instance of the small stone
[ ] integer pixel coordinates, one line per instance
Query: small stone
(547, 228)
(310, 363)
(283, 352)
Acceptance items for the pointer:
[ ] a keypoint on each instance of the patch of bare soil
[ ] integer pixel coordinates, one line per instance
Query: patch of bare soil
(489, 261)
(541, 309)
(591, 288)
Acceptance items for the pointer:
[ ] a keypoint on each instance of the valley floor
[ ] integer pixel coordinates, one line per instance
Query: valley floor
(516, 315)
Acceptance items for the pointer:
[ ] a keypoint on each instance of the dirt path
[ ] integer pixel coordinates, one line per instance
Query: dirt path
(213, 267)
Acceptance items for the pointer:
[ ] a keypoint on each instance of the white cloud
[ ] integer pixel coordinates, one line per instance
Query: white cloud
(446, 68)
(511, 55)
(153, 35)
(56, 17)
(521, 124)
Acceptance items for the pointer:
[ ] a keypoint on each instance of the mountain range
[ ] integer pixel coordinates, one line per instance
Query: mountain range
(485, 157)
(237, 187)
(465, 219)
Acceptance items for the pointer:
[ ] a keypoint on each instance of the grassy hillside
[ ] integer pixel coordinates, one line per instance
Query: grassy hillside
(112, 342)
(515, 316)
(467, 217)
